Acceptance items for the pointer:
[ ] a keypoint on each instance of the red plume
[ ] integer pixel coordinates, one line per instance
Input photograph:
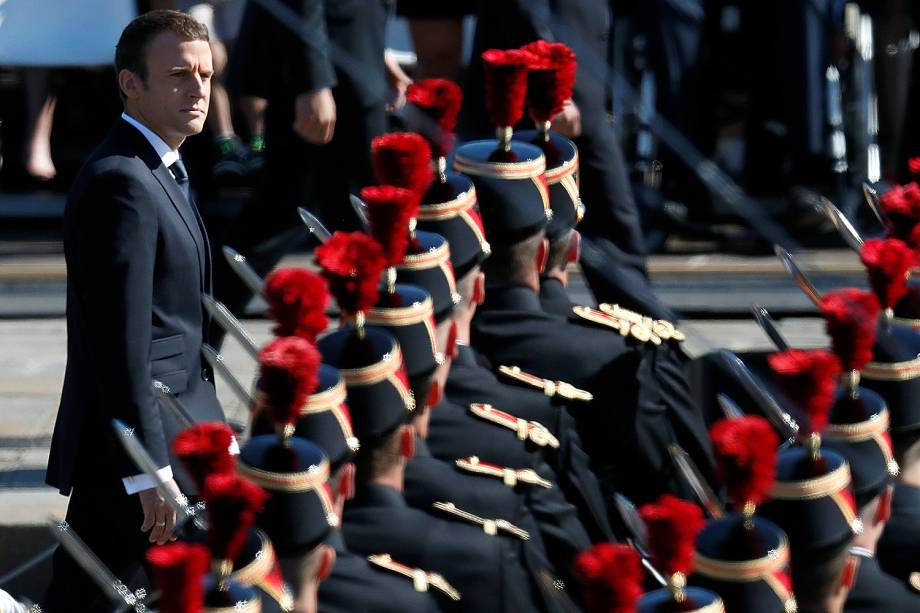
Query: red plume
(288, 374)
(440, 100)
(887, 262)
(550, 80)
(913, 164)
(233, 503)
(745, 450)
(389, 210)
(204, 450)
(506, 84)
(672, 526)
(901, 205)
(297, 302)
(611, 578)
(352, 263)
(178, 573)
(403, 159)
(809, 379)
(850, 317)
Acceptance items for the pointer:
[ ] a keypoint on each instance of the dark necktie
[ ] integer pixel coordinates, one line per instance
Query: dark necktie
(178, 170)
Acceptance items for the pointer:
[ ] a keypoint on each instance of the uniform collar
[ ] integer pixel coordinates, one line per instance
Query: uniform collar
(551, 287)
(511, 298)
(466, 356)
(374, 495)
(167, 155)
(337, 541)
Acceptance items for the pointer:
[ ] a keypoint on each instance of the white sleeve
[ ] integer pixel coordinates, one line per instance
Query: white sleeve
(139, 483)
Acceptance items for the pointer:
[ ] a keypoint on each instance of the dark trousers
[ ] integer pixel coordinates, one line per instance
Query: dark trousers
(298, 174)
(108, 520)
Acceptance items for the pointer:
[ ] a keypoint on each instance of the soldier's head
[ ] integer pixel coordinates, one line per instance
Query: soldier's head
(821, 586)
(163, 65)
(907, 451)
(519, 263)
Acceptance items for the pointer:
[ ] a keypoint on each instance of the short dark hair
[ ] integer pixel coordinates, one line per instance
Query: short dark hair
(376, 457)
(131, 50)
(814, 581)
(512, 264)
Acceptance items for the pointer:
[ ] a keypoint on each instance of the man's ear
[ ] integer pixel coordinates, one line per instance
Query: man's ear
(434, 395)
(883, 512)
(542, 255)
(407, 442)
(347, 482)
(574, 253)
(848, 579)
(326, 562)
(479, 288)
(129, 82)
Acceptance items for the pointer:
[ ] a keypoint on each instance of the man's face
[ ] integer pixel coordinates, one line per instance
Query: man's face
(173, 102)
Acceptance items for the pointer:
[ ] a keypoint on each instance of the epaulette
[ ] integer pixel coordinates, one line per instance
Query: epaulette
(489, 526)
(510, 476)
(665, 330)
(534, 431)
(550, 388)
(263, 572)
(623, 326)
(421, 580)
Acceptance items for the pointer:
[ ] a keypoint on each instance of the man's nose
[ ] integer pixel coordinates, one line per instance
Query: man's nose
(199, 87)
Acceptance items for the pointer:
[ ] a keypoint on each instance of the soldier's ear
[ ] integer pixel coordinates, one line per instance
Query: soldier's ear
(479, 289)
(407, 442)
(542, 256)
(848, 579)
(574, 253)
(347, 482)
(326, 562)
(883, 512)
(434, 395)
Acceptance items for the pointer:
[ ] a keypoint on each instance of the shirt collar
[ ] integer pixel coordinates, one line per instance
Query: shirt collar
(167, 155)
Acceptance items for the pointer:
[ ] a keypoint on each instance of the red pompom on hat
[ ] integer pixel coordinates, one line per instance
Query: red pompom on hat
(506, 84)
(887, 263)
(610, 576)
(440, 100)
(297, 301)
(809, 379)
(204, 450)
(745, 451)
(913, 164)
(403, 159)
(233, 504)
(178, 573)
(550, 79)
(851, 316)
(288, 374)
(672, 525)
(390, 211)
(901, 205)
(352, 263)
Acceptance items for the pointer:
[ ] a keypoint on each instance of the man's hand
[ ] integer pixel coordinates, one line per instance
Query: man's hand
(158, 515)
(398, 80)
(568, 121)
(314, 116)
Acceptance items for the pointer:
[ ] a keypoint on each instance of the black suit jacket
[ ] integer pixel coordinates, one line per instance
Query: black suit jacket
(137, 262)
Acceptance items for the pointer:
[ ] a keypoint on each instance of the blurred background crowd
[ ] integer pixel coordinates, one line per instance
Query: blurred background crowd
(724, 111)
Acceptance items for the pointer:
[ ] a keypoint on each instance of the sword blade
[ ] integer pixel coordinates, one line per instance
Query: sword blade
(845, 228)
(360, 209)
(145, 463)
(230, 324)
(769, 327)
(695, 480)
(241, 267)
(89, 562)
(216, 361)
(164, 395)
(314, 225)
(729, 408)
(781, 420)
(871, 196)
(804, 282)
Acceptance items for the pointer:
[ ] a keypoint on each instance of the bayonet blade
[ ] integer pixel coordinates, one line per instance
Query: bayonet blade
(871, 196)
(636, 527)
(769, 327)
(216, 361)
(804, 283)
(361, 211)
(314, 225)
(164, 394)
(114, 588)
(845, 228)
(146, 464)
(231, 324)
(781, 420)
(695, 480)
(241, 267)
(729, 407)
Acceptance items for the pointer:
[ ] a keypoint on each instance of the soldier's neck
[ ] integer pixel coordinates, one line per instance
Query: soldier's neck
(561, 275)
(391, 478)
(910, 474)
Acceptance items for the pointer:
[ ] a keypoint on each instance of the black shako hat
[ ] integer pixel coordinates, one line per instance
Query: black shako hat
(510, 187)
(561, 179)
(427, 264)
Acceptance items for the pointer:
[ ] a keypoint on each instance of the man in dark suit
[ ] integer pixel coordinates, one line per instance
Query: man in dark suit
(137, 262)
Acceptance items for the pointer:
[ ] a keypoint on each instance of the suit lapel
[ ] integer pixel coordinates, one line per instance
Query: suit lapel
(185, 211)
